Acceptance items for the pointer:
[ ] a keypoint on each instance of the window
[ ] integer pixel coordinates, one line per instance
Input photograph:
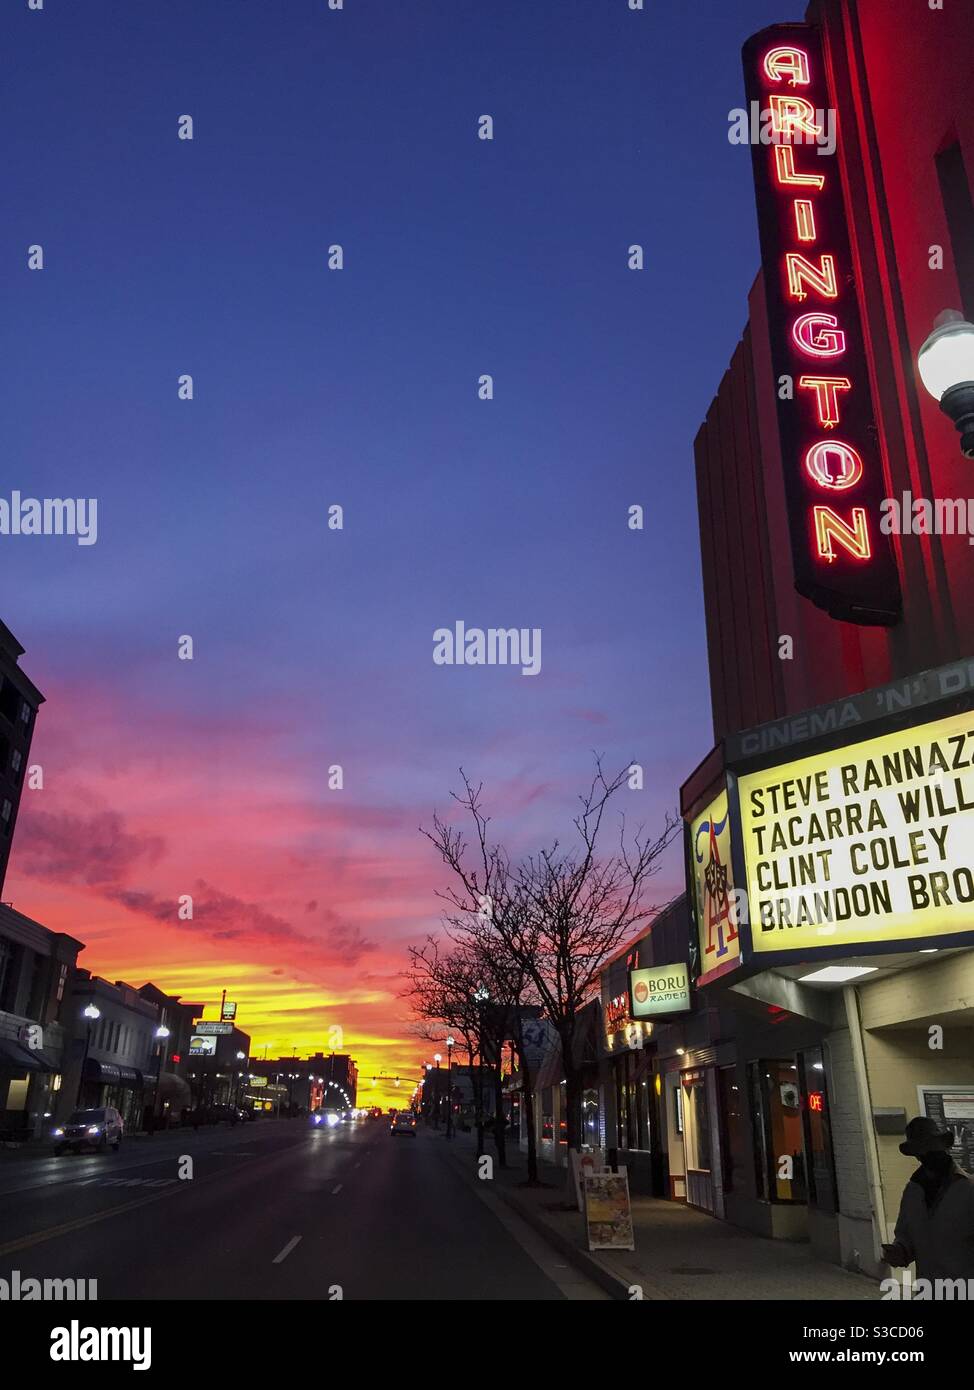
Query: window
(62, 979)
(818, 1131)
(24, 712)
(6, 814)
(696, 1121)
(547, 1114)
(6, 969)
(733, 1124)
(776, 1117)
(8, 699)
(16, 761)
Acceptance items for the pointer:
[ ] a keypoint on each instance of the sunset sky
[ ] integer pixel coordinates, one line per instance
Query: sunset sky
(314, 387)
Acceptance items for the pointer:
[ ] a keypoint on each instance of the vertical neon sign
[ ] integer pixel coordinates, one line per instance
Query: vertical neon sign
(833, 471)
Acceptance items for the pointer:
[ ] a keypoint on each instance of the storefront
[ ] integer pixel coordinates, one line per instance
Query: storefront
(833, 890)
(104, 1083)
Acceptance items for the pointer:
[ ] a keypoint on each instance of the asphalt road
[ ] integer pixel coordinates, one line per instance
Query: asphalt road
(273, 1212)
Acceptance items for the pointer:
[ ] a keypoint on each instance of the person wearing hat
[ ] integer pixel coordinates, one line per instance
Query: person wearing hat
(935, 1227)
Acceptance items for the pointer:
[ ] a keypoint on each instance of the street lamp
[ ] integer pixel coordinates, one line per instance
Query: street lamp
(161, 1033)
(437, 1058)
(91, 1012)
(449, 1086)
(946, 366)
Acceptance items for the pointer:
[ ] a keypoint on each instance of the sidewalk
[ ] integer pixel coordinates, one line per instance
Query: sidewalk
(680, 1253)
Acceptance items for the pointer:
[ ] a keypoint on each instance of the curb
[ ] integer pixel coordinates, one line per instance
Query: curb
(583, 1260)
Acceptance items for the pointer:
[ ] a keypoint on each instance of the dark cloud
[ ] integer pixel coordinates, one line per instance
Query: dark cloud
(91, 850)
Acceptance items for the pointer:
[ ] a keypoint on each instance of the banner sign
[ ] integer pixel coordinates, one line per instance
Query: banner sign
(869, 843)
(712, 880)
(834, 481)
(202, 1046)
(206, 1026)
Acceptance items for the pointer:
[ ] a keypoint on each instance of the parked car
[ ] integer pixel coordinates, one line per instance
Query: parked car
(92, 1129)
(403, 1123)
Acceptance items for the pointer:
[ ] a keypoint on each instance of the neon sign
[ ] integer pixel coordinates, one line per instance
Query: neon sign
(834, 481)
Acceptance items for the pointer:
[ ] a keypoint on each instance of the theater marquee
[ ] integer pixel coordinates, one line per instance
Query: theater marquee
(867, 844)
(834, 480)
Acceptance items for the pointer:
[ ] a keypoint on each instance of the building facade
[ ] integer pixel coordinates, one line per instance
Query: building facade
(19, 702)
(36, 971)
(830, 828)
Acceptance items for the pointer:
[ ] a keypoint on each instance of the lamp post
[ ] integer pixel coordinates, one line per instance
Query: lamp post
(437, 1058)
(241, 1057)
(91, 1012)
(162, 1032)
(449, 1087)
(946, 367)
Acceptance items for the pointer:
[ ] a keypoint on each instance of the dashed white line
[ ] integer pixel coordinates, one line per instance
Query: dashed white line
(286, 1251)
(335, 1190)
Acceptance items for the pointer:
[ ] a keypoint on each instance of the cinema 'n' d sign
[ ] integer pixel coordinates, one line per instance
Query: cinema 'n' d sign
(865, 844)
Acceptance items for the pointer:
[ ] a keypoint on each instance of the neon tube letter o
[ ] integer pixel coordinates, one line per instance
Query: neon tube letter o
(846, 465)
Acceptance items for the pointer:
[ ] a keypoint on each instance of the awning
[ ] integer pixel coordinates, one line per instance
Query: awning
(16, 1057)
(172, 1088)
(108, 1074)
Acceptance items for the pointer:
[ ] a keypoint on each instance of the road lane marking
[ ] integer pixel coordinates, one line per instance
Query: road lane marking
(67, 1227)
(335, 1190)
(278, 1259)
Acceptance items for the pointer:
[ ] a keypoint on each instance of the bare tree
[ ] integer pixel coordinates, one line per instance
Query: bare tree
(560, 914)
(441, 986)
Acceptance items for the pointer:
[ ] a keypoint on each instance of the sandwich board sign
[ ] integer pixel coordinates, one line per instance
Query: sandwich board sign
(608, 1214)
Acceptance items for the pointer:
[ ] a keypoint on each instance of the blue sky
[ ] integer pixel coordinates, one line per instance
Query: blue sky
(359, 387)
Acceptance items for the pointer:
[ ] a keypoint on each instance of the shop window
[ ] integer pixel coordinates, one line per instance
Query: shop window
(696, 1122)
(547, 1114)
(775, 1097)
(591, 1120)
(17, 1093)
(820, 1166)
(733, 1121)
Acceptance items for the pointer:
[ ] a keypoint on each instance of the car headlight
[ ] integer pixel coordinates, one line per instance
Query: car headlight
(94, 1129)
(333, 1119)
(58, 1133)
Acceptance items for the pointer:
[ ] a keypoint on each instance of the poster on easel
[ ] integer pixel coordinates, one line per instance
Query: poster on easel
(582, 1163)
(608, 1214)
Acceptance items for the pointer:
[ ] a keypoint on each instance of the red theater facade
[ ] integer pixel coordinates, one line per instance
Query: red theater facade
(830, 829)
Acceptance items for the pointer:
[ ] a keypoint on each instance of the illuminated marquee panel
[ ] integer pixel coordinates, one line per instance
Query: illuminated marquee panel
(834, 480)
(866, 845)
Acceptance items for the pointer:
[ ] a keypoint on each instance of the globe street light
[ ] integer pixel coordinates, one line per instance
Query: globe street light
(162, 1032)
(437, 1058)
(946, 366)
(449, 1086)
(91, 1012)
